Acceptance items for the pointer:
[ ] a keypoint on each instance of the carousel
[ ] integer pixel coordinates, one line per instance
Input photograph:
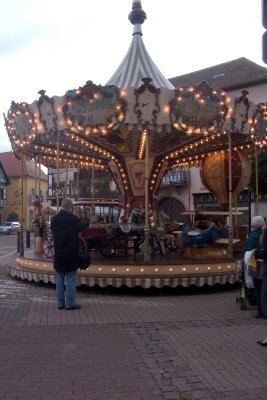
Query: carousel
(138, 127)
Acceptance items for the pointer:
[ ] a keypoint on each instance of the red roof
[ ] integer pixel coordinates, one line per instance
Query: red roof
(12, 166)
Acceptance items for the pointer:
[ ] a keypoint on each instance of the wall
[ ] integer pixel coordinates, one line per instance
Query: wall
(257, 94)
(14, 198)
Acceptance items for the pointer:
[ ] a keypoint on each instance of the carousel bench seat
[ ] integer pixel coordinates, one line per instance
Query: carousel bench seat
(193, 233)
(93, 232)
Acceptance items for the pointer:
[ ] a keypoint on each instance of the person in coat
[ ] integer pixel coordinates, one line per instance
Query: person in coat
(65, 228)
(252, 243)
(261, 254)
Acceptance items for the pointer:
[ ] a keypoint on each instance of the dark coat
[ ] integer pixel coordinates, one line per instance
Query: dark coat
(253, 240)
(65, 229)
(262, 253)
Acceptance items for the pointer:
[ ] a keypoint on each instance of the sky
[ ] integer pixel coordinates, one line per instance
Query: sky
(58, 45)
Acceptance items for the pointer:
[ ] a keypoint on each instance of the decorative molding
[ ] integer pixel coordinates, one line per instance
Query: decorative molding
(198, 109)
(147, 103)
(47, 113)
(94, 109)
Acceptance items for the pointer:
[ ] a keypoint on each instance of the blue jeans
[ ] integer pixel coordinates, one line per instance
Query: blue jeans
(66, 299)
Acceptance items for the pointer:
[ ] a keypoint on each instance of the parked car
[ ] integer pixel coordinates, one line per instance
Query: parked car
(9, 227)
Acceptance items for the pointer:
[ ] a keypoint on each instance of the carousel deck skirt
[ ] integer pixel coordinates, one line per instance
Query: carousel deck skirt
(168, 271)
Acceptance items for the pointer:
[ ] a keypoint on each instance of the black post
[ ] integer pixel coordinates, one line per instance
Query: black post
(28, 239)
(21, 244)
(249, 211)
(18, 242)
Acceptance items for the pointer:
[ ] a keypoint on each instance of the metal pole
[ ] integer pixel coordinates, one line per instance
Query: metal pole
(66, 182)
(39, 181)
(21, 244)
(35, 177)
(189, 190)
(147, 250)
(58, 173)
(256, 181)
(146, 183)
(249, 211)
(78, 183)
(28, 239)
(93, 187)
(230, 227)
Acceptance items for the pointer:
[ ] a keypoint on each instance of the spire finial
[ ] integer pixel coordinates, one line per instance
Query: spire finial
(137, 15)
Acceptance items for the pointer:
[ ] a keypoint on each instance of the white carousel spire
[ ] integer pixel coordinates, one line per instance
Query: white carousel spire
(137, 63)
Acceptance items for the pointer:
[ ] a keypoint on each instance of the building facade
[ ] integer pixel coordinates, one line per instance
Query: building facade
(4, 182)
(26, 179)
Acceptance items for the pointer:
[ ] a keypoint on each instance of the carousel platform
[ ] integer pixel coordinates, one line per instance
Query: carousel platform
(169, 270)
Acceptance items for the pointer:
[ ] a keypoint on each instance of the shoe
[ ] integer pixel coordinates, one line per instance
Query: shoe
(257, 315)
(261, 343)
(76, 307)
(61, 307)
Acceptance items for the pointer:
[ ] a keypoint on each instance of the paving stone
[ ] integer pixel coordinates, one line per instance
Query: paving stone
(128, 346)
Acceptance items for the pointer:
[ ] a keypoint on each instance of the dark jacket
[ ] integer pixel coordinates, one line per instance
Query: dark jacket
(262, 252)
(65, 229)
(253, 240)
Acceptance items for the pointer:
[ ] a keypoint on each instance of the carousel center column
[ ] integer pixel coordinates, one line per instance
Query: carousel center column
(147, 248)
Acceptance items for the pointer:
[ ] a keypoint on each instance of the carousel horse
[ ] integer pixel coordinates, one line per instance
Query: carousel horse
(162, 228)
(127, 232)
(137, 216)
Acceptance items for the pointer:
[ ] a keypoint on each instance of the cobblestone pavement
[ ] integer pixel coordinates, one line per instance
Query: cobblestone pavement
(128, 344)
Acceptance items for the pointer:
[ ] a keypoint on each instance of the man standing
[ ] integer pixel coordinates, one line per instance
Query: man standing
(65, 229)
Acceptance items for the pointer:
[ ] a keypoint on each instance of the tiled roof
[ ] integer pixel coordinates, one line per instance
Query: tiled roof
(228, 76)
(12, 166)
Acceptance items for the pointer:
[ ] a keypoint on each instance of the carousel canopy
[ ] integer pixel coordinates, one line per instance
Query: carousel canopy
(137, 64)
(106, 126)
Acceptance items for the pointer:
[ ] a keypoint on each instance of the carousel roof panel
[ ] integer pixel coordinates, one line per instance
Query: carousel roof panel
(137, 64)
(230, 75)
(175, 119)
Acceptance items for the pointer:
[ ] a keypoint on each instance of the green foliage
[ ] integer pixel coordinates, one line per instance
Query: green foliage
(84, 185)
(102, 184)
(13, 217)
